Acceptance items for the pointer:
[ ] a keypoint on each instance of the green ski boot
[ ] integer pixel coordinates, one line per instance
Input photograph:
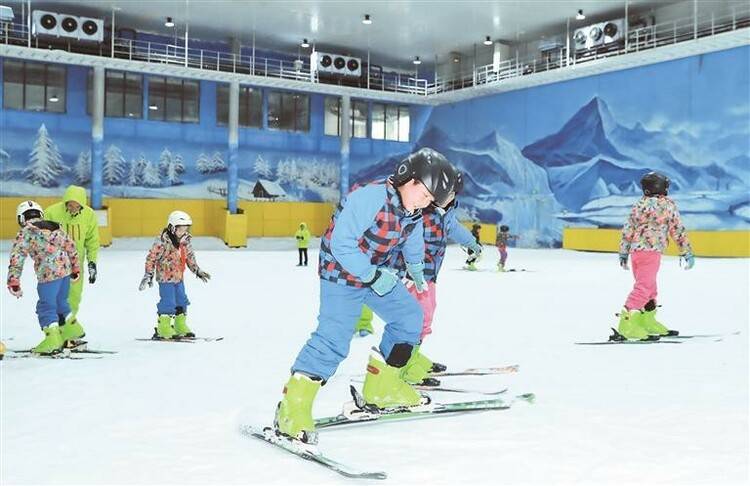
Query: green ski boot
(630, 326)
(364, 325)
(417, 370)
(71, 329)
(164, 328)
(181, 330)
(294, 412)
(651, 325)
(500, 267)
(52, 342)
(385, 388)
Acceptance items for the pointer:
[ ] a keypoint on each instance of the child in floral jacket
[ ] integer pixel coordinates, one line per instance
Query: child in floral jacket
(167, 259)
(644, 238)
(55, 263)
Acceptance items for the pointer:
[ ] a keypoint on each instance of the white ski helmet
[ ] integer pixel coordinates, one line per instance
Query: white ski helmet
(179, 218)
(25, 207)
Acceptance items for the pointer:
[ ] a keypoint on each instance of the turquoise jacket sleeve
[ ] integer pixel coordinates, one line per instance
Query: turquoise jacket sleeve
(456, 231)
(358, 214)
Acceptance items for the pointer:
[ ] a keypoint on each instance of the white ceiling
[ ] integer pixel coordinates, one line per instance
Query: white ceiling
(400, 30)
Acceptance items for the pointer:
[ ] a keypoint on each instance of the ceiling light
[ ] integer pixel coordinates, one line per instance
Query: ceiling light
(305, 44)
(169, 22)
(416, 61)
(579, 15)
(54, 99)
(456, 59)
(487, 41)
(367, 20)
(153, 107)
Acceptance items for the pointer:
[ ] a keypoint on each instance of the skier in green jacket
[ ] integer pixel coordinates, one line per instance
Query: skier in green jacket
(303, 241)
(79, 221)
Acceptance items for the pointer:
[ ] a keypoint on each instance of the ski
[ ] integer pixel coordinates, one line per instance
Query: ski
(308, 452)
(82, 347)
(709, 336)
(28, 353)
(357, 412)
(447, 389)
(182, 340)
(495, 370)
(459, 390)
(660, 341)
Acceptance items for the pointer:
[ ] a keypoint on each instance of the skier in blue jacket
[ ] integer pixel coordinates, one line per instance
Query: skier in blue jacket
(356, 254)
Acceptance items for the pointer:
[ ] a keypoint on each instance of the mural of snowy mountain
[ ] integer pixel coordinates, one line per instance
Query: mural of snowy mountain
(500, 184)
(594, 156)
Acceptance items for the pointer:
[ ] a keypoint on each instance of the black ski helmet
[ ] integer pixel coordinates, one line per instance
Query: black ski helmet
(655, 184)
(504, 227)
(430, 168)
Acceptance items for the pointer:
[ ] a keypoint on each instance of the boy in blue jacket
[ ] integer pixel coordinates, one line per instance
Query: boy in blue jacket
(354, 267)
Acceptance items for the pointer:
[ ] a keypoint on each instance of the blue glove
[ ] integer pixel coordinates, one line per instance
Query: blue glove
(416, 272)
(689, 261)
(383, 281)
(624, 261)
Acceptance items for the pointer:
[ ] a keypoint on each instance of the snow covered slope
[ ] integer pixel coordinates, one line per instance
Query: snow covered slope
(169, 413)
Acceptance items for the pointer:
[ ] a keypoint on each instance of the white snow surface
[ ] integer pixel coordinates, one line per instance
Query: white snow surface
(169, 413)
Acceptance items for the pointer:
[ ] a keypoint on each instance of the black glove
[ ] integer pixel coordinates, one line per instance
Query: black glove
(92, 272)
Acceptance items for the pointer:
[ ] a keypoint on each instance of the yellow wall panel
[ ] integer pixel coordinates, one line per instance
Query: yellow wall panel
(147, 217)
(704, 243)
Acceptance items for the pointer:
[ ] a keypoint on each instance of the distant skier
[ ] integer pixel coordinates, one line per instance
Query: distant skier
(79, 222)
(369, 224)
(473, 256)
(169, 255)
(501, 242)
(303, 241)
(644, 237)
(55, 263)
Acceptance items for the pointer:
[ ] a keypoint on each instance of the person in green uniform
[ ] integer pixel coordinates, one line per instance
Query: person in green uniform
(303, 241)
(79, 221)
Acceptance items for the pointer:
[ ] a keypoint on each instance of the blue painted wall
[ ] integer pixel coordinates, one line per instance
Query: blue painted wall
(573, 153)
(138, 152)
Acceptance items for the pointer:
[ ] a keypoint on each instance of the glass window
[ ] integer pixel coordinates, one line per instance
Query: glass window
(288, 111)
(359, 119)
(274, 110)
(133, 95)
(173, 99)
(13, 84)
(190, 102)
(114, 86)
(251, 106)
(331, 120)
(34, 86)
(403, 123)
(391, 122)
(55, 96)
(156, 98)
(378, 121)
(302, 110)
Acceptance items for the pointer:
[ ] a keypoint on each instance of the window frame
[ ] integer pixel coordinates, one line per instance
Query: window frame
(295, 113)
(248, 92)
(24, 82)
(163, 98)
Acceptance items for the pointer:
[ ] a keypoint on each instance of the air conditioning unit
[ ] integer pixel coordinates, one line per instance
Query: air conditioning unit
(599, 34)
(67, 26)
(324, 62)
(45, 23)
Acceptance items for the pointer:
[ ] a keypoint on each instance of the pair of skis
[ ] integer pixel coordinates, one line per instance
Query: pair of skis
(676, 339)
(358, 412)
(78, 350)
(182, 339)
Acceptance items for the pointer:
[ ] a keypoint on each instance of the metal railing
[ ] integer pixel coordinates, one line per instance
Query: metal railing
(637, 40)
(213, 60)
